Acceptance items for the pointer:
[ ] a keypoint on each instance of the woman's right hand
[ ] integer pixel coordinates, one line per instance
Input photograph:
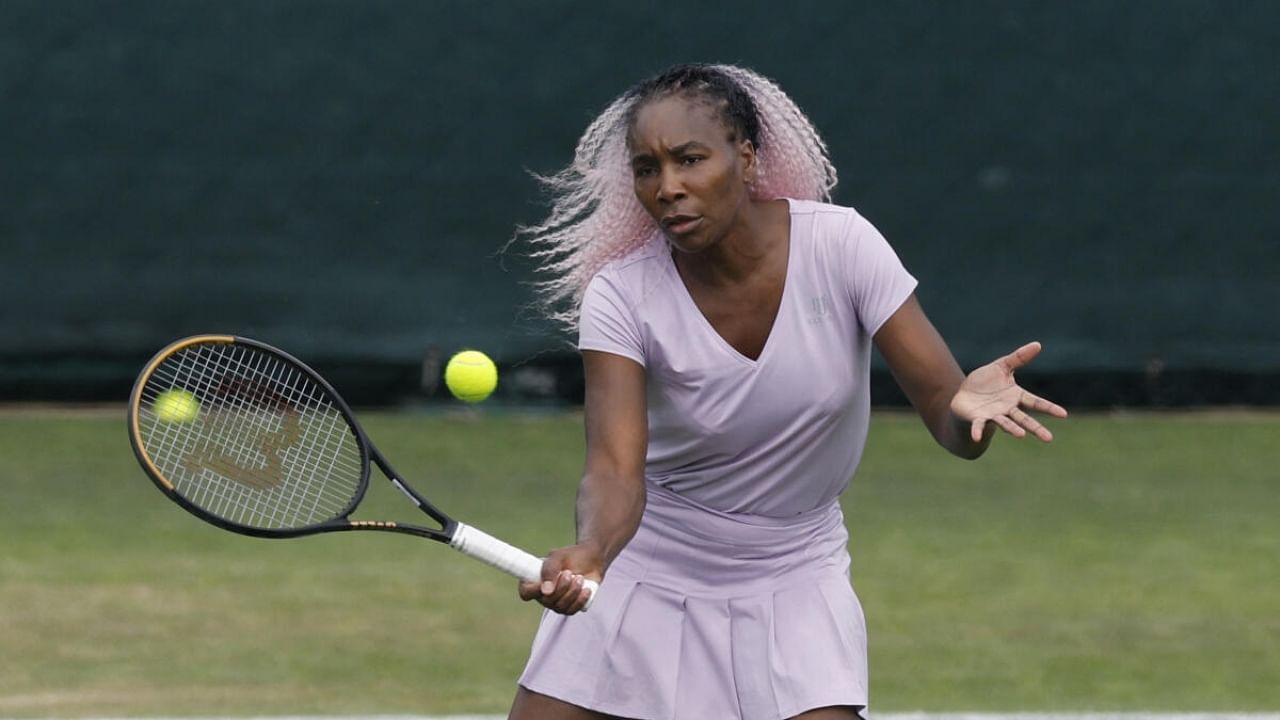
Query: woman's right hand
(563, 571)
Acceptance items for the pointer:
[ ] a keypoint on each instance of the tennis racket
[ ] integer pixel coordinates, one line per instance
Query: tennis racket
(248, 438)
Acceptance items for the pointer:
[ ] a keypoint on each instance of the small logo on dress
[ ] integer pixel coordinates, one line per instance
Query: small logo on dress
(819, 309)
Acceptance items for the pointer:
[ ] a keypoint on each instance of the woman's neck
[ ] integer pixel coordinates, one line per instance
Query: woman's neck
(751, 245)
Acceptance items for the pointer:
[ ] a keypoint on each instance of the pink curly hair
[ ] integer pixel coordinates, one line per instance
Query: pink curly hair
(595, 217)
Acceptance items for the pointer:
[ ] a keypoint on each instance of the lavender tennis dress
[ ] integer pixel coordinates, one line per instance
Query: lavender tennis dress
(733, 600)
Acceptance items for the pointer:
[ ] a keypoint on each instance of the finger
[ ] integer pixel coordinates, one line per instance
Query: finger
(550, 572)
(580, 595)
(1021, 356)
(1009, 426)
(976, 429)
(1032, 425)
(555, 588)
(549, 600)
(568, 587)
(544, 590)
(584, 597)
(1039, 404)
(529, 590)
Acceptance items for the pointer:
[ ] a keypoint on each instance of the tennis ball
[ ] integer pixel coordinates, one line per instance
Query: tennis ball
(177, 406)
(471, 376)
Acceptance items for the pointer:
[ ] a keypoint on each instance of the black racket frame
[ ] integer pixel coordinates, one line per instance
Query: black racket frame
(368, 452)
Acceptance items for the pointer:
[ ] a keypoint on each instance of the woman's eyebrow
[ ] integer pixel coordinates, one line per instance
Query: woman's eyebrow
(644, 156)
(686, 147)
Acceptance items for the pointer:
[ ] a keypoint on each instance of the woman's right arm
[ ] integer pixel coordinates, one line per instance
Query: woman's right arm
(611, 495)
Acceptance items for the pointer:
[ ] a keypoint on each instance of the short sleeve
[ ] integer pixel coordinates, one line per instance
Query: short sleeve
(878, 282)
(606, 321)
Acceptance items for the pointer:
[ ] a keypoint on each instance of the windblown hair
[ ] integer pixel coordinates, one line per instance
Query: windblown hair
(595, 216)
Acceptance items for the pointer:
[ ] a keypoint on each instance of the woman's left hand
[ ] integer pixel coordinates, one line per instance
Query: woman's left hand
(989, 394)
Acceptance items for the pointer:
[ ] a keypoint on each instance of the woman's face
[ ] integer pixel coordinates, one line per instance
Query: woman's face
(691, 174)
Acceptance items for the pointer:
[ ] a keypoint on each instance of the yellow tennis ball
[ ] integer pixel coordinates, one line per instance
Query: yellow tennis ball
(471, 376)
(176, 406)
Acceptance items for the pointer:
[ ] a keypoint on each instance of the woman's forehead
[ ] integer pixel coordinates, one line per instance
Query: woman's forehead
(676, 120)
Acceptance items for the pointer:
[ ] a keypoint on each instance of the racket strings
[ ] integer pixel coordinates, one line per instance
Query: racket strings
(267, 449)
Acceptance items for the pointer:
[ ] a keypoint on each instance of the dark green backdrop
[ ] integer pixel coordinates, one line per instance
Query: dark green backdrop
(339, 177)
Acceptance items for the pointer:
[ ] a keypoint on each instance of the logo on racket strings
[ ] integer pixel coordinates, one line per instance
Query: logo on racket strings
(244, 449)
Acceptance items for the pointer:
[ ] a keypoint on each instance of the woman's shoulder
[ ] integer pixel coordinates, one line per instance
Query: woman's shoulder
(638, 271)
(637, 262)
(818, 207)
(828, 220)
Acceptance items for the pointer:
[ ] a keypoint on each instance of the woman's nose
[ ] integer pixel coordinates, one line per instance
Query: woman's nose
(669, 186)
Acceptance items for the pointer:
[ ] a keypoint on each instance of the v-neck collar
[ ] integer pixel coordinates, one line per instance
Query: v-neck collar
(692, 306)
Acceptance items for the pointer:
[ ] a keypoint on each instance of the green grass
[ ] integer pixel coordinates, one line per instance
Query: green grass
(1132, 565)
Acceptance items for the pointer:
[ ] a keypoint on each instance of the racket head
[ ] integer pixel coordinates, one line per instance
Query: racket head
(247, 437)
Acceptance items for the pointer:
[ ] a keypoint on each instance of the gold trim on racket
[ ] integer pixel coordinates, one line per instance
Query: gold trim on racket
(135, 398)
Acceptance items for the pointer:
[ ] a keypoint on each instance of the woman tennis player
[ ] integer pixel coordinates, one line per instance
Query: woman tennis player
(726, 315)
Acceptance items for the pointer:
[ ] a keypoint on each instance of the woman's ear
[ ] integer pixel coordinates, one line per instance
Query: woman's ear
(750, 162)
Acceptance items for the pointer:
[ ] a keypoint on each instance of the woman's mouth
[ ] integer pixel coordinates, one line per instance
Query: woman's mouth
(681, 224)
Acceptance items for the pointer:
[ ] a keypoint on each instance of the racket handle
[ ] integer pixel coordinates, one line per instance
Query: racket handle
(510, 559)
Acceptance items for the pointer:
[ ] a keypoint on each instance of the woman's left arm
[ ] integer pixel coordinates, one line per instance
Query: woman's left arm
(961, 412)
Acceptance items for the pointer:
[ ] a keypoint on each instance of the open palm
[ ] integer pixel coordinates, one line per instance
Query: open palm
(989, 394)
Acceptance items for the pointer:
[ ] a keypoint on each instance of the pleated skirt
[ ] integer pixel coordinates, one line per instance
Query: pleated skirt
(708, 615)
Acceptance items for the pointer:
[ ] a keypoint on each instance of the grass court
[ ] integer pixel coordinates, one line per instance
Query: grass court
(1132, 565)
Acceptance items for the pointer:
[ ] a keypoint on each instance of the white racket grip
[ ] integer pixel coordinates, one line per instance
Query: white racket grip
(508, 558)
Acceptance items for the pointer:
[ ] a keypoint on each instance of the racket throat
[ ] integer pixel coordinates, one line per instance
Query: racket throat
(448, 526)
